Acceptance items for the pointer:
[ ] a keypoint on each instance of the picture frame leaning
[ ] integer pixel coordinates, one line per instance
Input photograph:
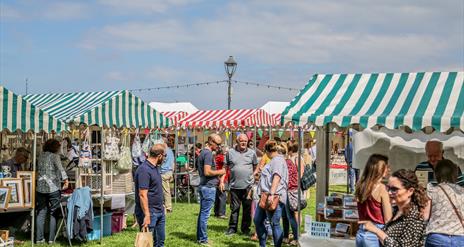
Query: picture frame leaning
(4, 197)
(16, 195)
(28, 179)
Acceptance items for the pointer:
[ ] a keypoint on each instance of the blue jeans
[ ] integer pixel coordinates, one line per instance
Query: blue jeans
(351, 178)
(367, 239)
(157, 226)
(274, 218)
(288, 216)
(207, 196)
(439, 240)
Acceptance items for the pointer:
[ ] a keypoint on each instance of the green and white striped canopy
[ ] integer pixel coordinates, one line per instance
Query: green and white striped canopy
(112, 108)
(392, 100)
(18, 114)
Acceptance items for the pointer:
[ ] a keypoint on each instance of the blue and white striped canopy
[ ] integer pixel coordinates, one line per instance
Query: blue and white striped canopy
(392, 100)
(112, 108)
(18, 114)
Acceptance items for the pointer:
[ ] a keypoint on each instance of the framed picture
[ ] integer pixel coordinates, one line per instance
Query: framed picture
(28, 178)
(16, 196)
(4, 196)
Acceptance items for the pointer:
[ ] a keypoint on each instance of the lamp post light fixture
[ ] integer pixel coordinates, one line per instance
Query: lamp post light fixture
(230, 65)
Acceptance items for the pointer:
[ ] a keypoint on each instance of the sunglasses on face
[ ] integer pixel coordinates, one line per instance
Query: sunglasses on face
(217, 144)
(393, 189)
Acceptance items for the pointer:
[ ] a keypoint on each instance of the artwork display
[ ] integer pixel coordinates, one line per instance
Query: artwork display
(4, 197)
(28, 179)
(16, 195)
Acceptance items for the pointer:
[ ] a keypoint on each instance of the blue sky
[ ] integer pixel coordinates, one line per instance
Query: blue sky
(65, 46)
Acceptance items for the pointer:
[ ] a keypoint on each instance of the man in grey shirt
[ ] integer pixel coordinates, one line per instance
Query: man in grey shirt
(242, 161)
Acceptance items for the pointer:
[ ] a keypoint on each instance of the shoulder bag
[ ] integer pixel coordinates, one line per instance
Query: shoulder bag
(264, 204)
(454, 207)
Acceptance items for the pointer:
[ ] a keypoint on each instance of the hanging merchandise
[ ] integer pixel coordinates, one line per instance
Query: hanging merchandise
(146, 144)
(206, 132)
(260, 133)
(292, 134)
(85, 157)
(238, 133)
(64, 147)
(249, 134)
(136, 146)
(312, 133)
(125, 161)
(227, 134)
(111, 147)
(280, 133)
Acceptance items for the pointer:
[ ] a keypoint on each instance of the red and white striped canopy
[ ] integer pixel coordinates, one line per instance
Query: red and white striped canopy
(276, 117)
(228, 119)
(175, 116)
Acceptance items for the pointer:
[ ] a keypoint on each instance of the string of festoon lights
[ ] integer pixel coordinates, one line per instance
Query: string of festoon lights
(198, 84)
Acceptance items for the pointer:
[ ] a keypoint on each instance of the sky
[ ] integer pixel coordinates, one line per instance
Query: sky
(69, 46)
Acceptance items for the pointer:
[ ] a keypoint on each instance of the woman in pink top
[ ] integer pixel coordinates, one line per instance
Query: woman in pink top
(373, 200)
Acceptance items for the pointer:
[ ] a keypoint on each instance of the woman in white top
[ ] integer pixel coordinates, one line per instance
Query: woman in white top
(446, 223)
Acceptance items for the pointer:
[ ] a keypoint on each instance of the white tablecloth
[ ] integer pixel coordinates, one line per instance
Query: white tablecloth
(305, 241)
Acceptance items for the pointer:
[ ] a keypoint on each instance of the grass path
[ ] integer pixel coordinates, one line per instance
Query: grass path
(181, 228)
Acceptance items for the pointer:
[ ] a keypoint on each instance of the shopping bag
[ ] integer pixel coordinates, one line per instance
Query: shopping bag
(144, 238)
(136, 146)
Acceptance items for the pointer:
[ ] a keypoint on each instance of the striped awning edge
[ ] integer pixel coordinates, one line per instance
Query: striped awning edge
(228, 119)
(112, 108)
(416, 100)
(18, 114)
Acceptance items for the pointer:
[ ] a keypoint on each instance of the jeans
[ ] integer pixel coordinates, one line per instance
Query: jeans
(220, 203)
(47, 202)
(207, 196)
(157, 226)
(367, 239)
(288, 216)
(351, 178)
(439, 240)
(274, 218)
(239, 197)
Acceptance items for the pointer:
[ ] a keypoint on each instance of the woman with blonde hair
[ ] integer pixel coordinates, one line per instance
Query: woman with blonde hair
(373, 200)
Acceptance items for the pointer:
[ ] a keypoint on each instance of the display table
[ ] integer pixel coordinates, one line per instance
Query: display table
(333, 242)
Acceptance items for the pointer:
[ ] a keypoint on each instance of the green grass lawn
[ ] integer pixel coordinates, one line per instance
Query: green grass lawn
(181, 228)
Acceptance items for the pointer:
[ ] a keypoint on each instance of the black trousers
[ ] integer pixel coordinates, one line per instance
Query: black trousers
(239, 197)
(47, 202)
(220, 203)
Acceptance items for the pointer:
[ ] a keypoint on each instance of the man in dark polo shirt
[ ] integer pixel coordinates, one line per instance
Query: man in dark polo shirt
(242, 161)
(209, 180)
(149, 208)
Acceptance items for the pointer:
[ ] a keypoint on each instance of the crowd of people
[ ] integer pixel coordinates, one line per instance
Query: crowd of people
(394, 208)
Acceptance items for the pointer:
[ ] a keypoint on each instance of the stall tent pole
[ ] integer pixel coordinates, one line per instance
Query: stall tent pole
(102, 185)
(34, 166)
(322, 163)
(176, 143)
(254, 140)
(300, 145)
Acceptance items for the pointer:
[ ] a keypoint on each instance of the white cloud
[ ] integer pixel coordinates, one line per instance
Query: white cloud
(143, 6)
(66, 11)
(370, 35)
(115, 76)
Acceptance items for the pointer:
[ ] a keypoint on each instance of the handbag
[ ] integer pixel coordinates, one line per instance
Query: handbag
(293, 200)
(264, 204)
(308, 179)
(454, 207)
(85, 156)
(111, 147)
(144, 238)
(136, 146)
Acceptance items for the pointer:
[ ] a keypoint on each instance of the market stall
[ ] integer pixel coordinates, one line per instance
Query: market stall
(396, 101)
(21, 122)
(103, 125)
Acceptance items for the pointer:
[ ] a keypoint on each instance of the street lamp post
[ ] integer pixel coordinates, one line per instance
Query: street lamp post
(230, 66)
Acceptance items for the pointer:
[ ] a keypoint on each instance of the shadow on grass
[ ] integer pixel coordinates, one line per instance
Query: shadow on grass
(184, 236)
(217, 228)
(251, 244)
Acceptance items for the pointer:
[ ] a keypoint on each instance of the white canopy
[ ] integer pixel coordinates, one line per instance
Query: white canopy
(174, 107)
